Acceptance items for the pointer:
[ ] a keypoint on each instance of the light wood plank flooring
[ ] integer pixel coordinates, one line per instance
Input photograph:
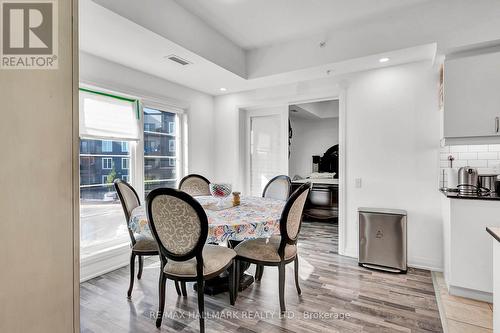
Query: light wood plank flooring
(337, 296)
(463, 315)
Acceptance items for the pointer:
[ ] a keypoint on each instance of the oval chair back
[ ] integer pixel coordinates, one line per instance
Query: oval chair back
(178, 223)
(291, 218)
(195, 185)
(129, 200)
(278, 188)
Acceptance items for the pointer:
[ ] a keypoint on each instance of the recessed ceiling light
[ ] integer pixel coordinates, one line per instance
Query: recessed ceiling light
(222, 89)
(384, 59)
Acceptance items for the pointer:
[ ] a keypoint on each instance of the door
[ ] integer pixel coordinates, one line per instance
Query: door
(267, 147)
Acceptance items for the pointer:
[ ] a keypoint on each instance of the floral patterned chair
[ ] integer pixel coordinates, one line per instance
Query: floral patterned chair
(180, 226)
(277, 188)
(278, 250)
(141, 245)
(195, 185)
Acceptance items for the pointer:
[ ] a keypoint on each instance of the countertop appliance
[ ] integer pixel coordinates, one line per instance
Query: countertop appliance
(468, 180)
(488, 182)
(382, 239)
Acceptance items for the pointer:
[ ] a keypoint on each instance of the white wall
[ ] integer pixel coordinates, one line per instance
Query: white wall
(38, 289)
(392, 143)
(199, 106)
(310, 137)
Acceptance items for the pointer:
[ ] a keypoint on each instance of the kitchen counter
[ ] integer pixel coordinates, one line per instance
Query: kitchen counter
(456, 195)
(327, 181)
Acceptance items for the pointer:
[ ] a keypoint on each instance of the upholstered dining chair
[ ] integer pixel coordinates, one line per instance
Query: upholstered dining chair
(141, 245)
(180, 226)
(277, 188)
(278, 250)
(195, 185)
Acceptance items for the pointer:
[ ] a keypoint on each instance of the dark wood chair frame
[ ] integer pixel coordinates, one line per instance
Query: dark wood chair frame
(285, 240)
(193, 175)
(259, 268)
(196, 252)
(134, 254)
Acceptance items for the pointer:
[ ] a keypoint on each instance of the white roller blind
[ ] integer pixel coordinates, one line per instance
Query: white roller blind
(107, 117)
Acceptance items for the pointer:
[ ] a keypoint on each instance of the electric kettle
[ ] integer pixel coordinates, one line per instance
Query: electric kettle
(468, 181)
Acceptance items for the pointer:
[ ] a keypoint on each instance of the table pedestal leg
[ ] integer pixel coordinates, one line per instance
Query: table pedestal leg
(220, 283)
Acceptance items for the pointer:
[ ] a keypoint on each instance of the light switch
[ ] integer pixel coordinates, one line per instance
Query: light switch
(358, 182)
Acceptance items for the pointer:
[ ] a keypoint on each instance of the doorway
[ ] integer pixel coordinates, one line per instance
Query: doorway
(313, 144)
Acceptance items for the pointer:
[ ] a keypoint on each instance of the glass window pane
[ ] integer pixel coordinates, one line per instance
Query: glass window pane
(159, 145)
(160, 142)
(102, 219)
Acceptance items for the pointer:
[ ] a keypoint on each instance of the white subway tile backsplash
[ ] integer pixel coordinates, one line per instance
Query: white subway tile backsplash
(476, 156)
(444, 156)
(444, 164)
(487, 155)
(467, 156)
(478, 148)
(493, 163)
(478, 163)
(459, 163)
(455, 149)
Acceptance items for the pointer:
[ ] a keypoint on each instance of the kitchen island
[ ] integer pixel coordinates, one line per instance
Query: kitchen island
(468, 251)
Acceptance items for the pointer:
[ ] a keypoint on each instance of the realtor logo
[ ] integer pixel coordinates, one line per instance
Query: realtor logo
(29, 34)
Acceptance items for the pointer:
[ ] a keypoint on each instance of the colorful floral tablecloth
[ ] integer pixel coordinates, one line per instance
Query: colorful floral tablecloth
(256, 217)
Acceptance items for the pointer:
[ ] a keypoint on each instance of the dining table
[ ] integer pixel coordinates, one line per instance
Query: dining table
(254, 217)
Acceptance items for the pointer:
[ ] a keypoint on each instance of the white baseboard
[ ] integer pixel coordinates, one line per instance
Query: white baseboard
(426, 263)
(103, 262)
(469, 293)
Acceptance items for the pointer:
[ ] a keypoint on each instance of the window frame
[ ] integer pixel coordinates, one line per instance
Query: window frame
(127, 164)
(106, 159)
(180, 135)
(102, 146)
(136, 154)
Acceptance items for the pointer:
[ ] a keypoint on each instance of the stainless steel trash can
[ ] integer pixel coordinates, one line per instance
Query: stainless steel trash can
(382, 239)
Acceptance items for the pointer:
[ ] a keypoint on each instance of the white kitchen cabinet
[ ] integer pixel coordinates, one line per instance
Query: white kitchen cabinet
(468, 251)
(472, 96)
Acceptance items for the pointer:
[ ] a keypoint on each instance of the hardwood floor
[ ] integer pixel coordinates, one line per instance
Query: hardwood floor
(463, 315)
(337, 296)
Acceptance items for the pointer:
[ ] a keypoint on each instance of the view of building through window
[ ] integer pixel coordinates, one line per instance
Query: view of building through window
(101, 162)
(160, 141)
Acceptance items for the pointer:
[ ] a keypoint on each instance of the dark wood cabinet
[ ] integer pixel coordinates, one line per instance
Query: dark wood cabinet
(322, 203)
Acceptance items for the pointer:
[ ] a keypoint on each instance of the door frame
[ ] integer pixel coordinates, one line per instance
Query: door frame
(340, 95)
(280, 110)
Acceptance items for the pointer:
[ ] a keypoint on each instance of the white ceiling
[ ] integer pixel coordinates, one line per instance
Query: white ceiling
(256, 23)
(111, 36)
(315, 110)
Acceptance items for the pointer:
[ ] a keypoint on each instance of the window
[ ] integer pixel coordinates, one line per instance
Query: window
(171, 127)
(125, 163)
(171, 146)
(107, 163)
(124, 147)
(107, 146)
(160, 140)
(108, 128)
